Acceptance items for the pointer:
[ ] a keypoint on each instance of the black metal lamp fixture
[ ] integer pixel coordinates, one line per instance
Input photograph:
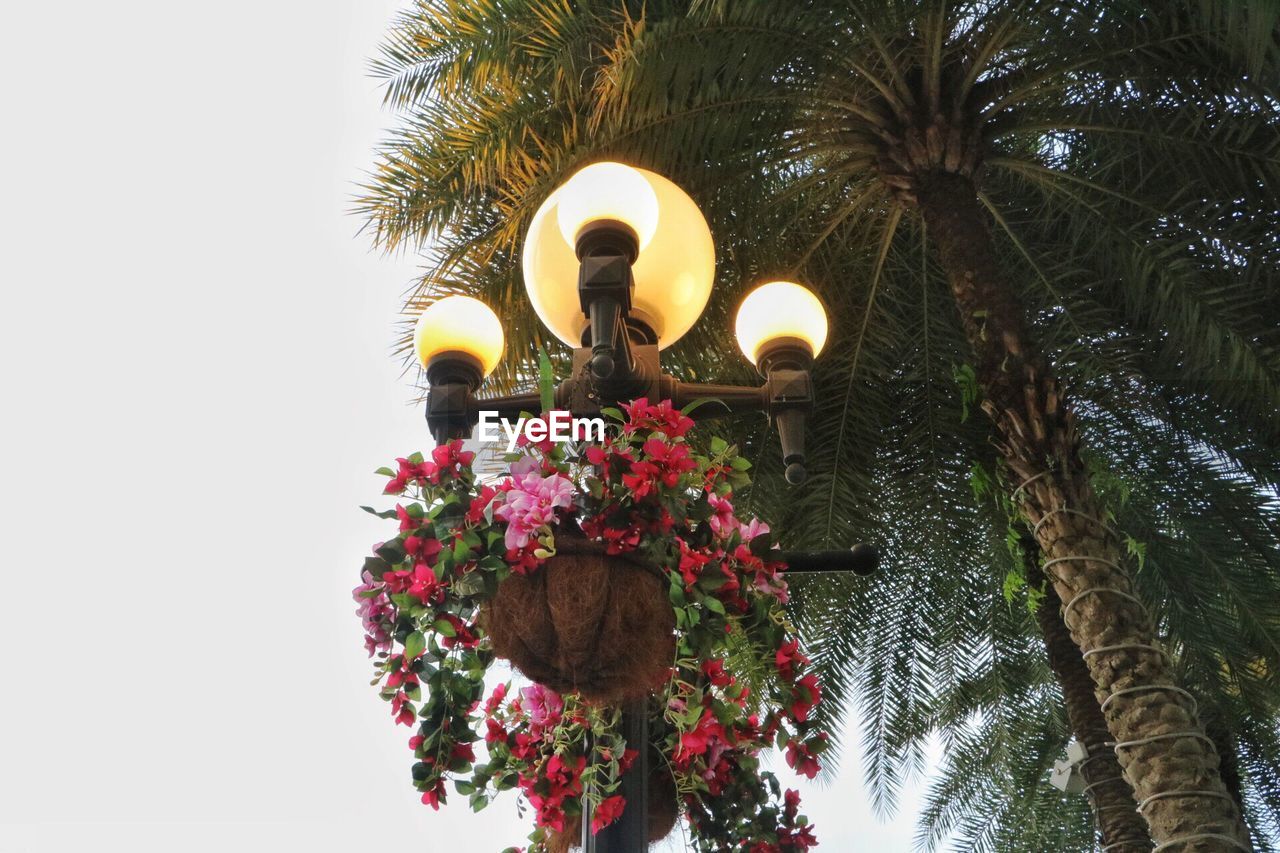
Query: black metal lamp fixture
(618, 263)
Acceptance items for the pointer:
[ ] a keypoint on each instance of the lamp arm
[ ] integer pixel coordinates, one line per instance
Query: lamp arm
(453, 409)
(861, 559)
(511, 406)
(720, 400)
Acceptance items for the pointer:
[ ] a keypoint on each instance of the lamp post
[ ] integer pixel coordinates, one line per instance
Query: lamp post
(618, 263)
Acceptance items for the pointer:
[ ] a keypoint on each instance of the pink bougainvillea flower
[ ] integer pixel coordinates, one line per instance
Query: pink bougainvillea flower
(544, 707)
(768, 582)
(607, 812)
(722, 520)
(530, 501)
(752, 529)
(376, 613)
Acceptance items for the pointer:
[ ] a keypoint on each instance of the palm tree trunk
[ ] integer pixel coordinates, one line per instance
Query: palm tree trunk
(1162, 747)
(1120, 828)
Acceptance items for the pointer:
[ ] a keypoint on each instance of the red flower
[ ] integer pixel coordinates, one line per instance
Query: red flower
(641, 480)
(421, 583)
(452, 455)
(714, 670)
(402, 709)
(663, 417)
(603, 456)
(791, 807)
(407, 522)
(494, 733)
(788, 657)
(475, 512)
(495, 699)
(411, 472)
(423, 549)
(463, 634)
(607, 812)
(672, 460)
(808, 693)
(461, 755)
(435, 795)
(401, 673)
(620, 539)
(801, 758)
(691, 563)
(522, 560)
(525, 747)
(696, 742)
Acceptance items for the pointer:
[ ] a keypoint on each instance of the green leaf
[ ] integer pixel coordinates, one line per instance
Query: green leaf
(444, 628)
(546, 382)
(415, 644)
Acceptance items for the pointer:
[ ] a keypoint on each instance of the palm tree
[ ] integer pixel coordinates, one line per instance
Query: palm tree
(939, 169)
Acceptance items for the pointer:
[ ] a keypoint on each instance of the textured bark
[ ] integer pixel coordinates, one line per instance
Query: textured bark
(1120, 828)
(1161, 746)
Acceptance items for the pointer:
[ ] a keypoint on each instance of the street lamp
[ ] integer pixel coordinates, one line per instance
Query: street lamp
(618, 263)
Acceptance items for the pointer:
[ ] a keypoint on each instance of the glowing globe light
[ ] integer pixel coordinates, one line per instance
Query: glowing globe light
(459, 324)
(673, 272)
(607, 191)
(777, 310)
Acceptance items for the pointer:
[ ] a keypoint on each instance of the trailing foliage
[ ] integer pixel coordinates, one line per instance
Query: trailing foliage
(732, 682)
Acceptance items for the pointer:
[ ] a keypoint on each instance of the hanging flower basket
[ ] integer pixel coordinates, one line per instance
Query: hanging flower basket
(590, 622)
(609, 573)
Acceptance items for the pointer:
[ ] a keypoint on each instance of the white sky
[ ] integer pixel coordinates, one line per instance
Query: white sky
(197, 383)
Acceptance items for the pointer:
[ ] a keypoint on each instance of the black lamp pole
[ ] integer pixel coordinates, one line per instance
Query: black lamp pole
(618, 361)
